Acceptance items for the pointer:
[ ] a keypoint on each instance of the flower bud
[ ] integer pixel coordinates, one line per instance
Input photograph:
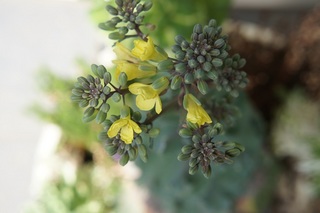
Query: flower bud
(116, 97)
(142, 150)
(185, 133)
(116, 36)
(217, 62)
(124, 159)
(111, 150)
(112, 10)
(124, 112)
(219, 43)
(197, 28)
(183, 157)
(165, 65)
(233, 152)
(176, 82)
(188, 78)
(147, 5)
(101, 116)
(193, 170)
(123, 78)
(83, 103)
(107, 26)
(106, 90)
(106, 78)
(202, 87)
(187, 149)
(179, 39)
(154, 132)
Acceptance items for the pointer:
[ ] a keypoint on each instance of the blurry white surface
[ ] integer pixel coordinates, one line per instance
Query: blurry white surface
(34, 33)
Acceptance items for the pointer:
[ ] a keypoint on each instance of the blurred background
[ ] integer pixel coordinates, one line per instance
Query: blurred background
(51, 162)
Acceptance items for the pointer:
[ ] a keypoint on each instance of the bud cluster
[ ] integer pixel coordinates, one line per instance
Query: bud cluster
(205, 149)
(206, 59)
(126, 16)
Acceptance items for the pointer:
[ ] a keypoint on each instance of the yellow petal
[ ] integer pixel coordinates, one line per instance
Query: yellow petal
(126, 134)
(135, 126)
(115, 127)
(123, 53)
(135, 88)
(145, 104)
(158, 105)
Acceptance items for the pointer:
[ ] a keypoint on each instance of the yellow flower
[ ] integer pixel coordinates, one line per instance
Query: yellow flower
(131, 70)
(145, 50)
(126, 126)
(124, 54)
(148, 95)
(196, 114)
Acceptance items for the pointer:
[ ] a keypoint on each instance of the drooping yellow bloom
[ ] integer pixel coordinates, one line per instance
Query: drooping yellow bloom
(196, 114)
(131, 70)
(148, 95)
(124, 54)
(145, 50)
(127, 127)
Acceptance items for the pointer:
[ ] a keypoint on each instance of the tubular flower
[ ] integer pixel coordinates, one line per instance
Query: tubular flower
(124, 54)
(196, 114)
(148, 95)
(131, 70)
(145, 50)
(127, 127)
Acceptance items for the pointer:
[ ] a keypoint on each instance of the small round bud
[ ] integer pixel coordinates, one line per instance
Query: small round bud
(217, 62)
(123, 78)
(154, 132)
(112, 10)
(176, 82)
(101, 117)
(185, 133)
(124, 159)
(116, 97)
(202, 87)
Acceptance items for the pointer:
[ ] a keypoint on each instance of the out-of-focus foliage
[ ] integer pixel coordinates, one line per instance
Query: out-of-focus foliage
(296, 134)
(91, 191)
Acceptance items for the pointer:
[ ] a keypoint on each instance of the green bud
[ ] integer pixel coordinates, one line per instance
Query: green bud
(176, 82)
(212, 75)
(195, 153)
(202, 87)
(124, 112)
(111, 150)
(160, 83)
(113, 118)
(197, 28)
(124, 159)
(101, 116)
(233, 152)
(228, 62)
(116, 36)
(106, 78)
(131, 26)
(180, 67)
(187, 149)
(112, 10)
(77, 92)
(207, 66)
(83, 103)
(179, 39)
(161, 51)
(136, 116)
(107, 26)
(116, 97)
(199, 74)
(183, 157)
(240, 147)
(102, 136)
(188, 78)
(241, 63)
(138, 140)
(101, 70)
(217, 62)
(105, 107)
(119, 2)
(154, 132)
(224, 54)
(191, 125)
(196, 138)
(123, 78)
(89, 111)
(94, 69)
(116, 20)
(212, 23)
(133, 153)
(192, 63)
(193, 170)
(142, 150)
(106, 90)
(207, 172)
(215, 52)
(180, 55)
(185, 133)
(165, 65)
(228, 145)
(93, 102)
(218, 128)
(193, 162)
(144, 158)
(147, 5)
(147, 67)
(123, 30)
(219, 43)
(91, 79)
(201, 59)
(87, 118)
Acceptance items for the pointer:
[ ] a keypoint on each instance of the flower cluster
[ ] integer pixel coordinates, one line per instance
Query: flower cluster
(127, 101)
